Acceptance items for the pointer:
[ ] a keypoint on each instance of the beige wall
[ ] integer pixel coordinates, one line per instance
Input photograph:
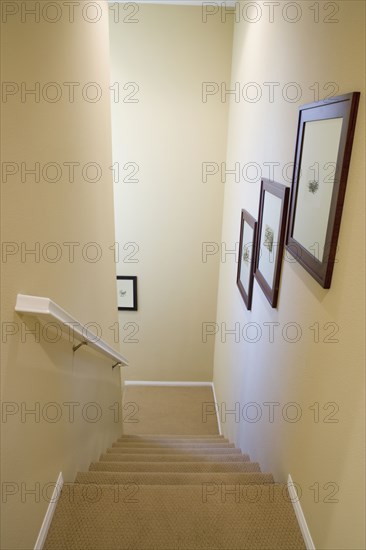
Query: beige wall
(305, 372)
(34, 448)
(167, 215)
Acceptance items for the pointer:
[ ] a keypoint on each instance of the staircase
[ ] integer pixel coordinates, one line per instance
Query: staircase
(174, 493)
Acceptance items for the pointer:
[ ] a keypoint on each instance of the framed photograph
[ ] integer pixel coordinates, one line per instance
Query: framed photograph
(322, 157)
(272, 217)
(247, 244)
(127, 292)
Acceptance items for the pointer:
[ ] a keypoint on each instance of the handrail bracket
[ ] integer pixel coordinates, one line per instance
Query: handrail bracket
(75, 348)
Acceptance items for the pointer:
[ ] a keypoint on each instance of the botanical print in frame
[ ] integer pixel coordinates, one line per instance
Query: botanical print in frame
(272, 216)
(247, 242)
(268, 237)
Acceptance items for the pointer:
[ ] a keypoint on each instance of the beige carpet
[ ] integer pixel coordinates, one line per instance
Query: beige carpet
(165, 467)
(169, 410)
(174, 492)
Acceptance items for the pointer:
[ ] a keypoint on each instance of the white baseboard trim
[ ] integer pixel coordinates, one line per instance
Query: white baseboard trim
(226, 3)
(49, 514)
(217, 409)
(300, 514)
(164, 383)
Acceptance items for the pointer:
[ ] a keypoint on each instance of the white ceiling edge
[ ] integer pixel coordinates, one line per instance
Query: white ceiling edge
(220, 3)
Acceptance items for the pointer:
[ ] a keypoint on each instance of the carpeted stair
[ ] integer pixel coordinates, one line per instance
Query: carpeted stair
(174, 493)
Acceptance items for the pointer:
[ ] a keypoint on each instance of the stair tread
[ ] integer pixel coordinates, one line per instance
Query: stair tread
(172, 478)
(169, 516)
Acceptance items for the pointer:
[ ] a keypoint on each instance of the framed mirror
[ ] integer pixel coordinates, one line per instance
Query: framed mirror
(248, 237)
(273, 205)
(323, 151)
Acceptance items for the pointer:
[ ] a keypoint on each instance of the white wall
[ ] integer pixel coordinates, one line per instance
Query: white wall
(34, 371)
(168, 133)
(306, 372)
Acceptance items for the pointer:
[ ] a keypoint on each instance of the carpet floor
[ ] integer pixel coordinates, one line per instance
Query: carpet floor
(171, 491)
(183, 410)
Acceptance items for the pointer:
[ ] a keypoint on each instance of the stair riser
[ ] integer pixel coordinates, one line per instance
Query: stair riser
(173, 451)
(171, 437)
(114, 457)
(177, 444)
(173, 441)
(215, 479)
(209, 493)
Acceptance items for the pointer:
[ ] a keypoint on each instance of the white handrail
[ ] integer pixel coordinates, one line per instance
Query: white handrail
(47, 309)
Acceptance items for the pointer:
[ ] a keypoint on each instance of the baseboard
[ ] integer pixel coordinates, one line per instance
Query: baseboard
(217, 409)
(300, 514)
(49, 514)
(164, 383)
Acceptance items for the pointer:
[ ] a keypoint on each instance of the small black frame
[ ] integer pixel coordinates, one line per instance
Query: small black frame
(127, 292)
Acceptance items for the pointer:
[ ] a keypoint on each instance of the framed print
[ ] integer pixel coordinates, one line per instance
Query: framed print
(245, 273)
(127, 292)
(273, 205)
(322, 157)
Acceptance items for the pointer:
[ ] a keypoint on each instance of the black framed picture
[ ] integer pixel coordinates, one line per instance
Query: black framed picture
(323, 152)
(127, 292)
(247, 247)
(272, 217)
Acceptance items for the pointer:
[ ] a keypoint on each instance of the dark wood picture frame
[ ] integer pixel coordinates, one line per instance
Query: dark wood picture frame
(271, 238)
(130, 287)
(247, 256)
(319, 259)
